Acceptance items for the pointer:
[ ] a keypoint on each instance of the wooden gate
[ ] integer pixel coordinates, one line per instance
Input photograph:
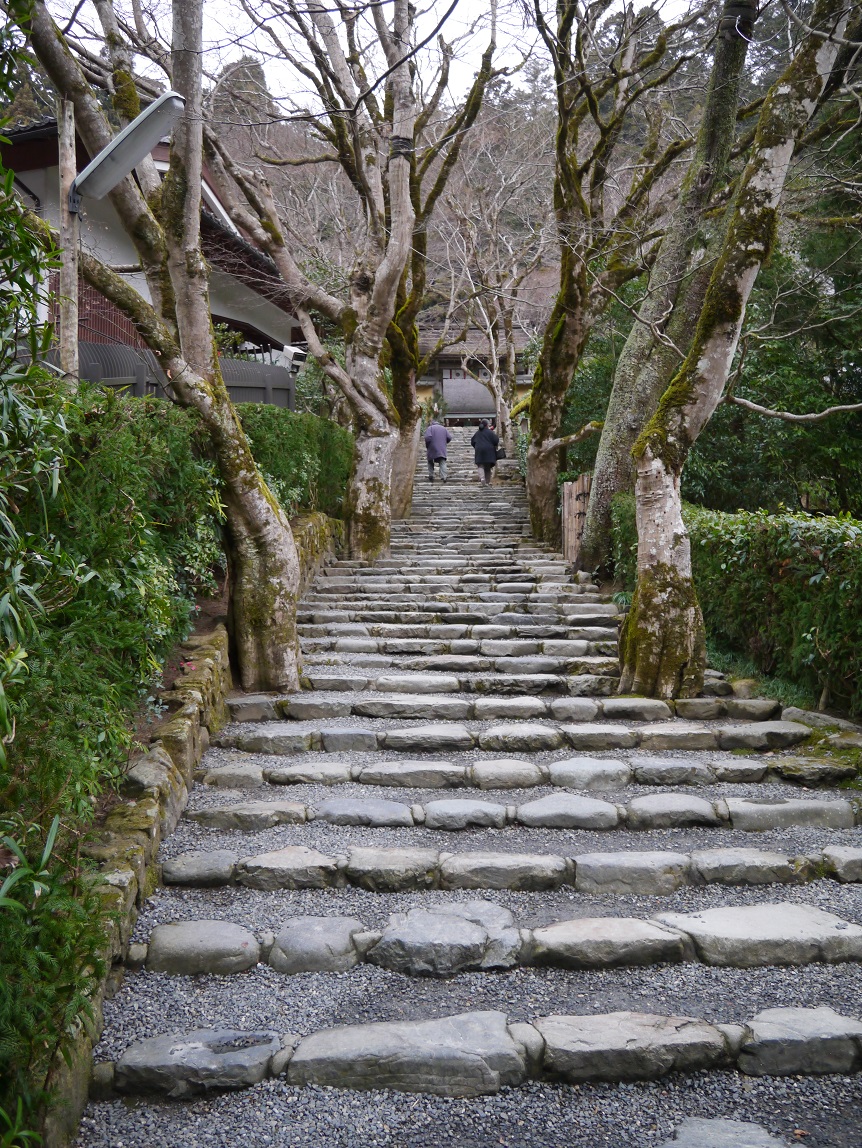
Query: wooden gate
(576, 497)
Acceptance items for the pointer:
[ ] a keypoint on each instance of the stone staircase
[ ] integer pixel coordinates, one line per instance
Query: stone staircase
(458, 892)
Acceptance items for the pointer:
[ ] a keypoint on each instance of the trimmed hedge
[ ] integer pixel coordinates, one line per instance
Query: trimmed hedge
(306, 459)
(782, 588)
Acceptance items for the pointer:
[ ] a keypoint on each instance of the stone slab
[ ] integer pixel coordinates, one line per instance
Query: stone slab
(678, 735)
(419, 683)
(186, 948)
(345, 739)
(594, 735)
(201, 869)
(294, 867)
(361, 811)
(636, 709)
(670, 771)
(748, 936)
(655, 874)
(738, 769)
(442, 940)
(415, 707)
(520, 871)
(235, 776)
(791, 1041)
(628, 1046)
(249, 816)
(742, 867)
(669, 811)
(315, 945)
(392, 870)
(721, 1133)
(181, 1064)
(506, 773)
(456, 813)
(431, 738)
(574, 709)
(605, 942)
(784, 813)
(699, 709)
(310, 773)
(569, 811)
(491, 709)
(762, 735)
(468, 1055)
(274, 737)
(520, 737)
(844, 862)
(412, 774)
(590, 773)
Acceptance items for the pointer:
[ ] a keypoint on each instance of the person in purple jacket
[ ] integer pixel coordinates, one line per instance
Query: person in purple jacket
(436, 438)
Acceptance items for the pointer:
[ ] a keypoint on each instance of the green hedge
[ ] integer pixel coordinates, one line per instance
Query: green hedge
(782, 588)
(305, 459)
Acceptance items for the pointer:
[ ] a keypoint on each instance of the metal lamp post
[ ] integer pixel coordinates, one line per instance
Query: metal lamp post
(103, 173)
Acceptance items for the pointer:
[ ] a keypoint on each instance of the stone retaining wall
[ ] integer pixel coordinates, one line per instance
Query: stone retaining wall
(155, 792)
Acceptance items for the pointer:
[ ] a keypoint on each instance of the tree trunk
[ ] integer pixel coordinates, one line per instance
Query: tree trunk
(646, 364)
(263, 559)
(369, 508)
(564, 339)
(404, 467)
(662, 644)
(662, 639)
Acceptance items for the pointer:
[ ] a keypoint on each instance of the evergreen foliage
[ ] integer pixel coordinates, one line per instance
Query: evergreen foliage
(306, 460)
(781, 589)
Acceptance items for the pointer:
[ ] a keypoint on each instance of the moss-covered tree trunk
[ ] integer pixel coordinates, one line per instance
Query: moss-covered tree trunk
(565, 336)
(661, 640)
(662, 646)
(403, 339)
(647, 363)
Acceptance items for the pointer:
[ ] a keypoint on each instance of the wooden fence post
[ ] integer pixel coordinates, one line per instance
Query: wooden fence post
(576, 497)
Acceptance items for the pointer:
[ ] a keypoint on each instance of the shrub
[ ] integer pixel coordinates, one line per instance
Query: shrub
(783, 589)
(305, 459)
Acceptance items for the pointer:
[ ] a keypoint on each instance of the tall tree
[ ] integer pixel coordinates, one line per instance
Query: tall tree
(162, 219)
(615, 173)
(652, 345)
(395, 140)
(662, 644)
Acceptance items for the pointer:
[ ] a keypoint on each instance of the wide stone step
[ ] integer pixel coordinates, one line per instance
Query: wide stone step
(561, 650)
(478, 1053)
(656, 873)
(479, 936)
(258, 707)
(483, 631)
(565, 810)
(539, 664)
(582, 774)
(514, 737)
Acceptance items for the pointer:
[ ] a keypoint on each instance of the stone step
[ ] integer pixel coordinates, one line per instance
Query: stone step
(582, 774)
(479, 936)
(433, 704)
(554, 811)
(515, 737)
(324, 677)
(590, 664)
(444, 614)
(560, 650)
(448, 630)
(478, 1053)
(656, 873)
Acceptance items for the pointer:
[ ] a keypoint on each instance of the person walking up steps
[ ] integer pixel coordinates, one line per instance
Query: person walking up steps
(485, 443)
(436, 438)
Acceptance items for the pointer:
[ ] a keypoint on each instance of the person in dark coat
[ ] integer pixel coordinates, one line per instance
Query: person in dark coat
(436, 438)
(485, 443)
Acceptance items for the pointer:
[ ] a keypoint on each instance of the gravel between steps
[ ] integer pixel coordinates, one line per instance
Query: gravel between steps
(641, 1115)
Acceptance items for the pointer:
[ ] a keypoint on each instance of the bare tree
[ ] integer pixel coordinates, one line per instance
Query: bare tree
(652, 349)
(496, 227)
(162, 218)
(662, 644)
(616, 172)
